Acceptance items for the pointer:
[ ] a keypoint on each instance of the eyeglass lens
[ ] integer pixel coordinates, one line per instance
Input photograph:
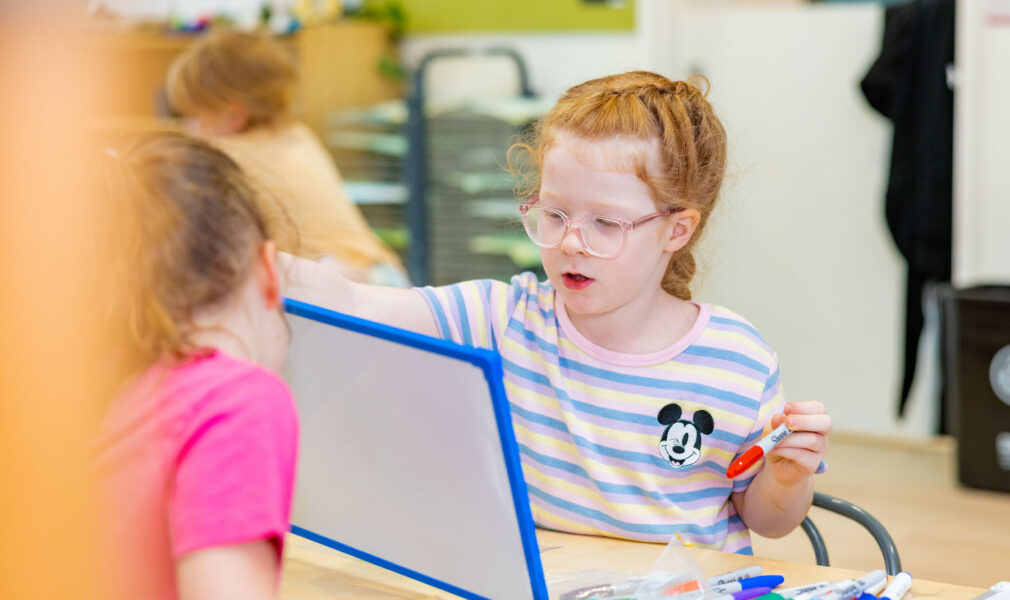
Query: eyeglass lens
(600, 235)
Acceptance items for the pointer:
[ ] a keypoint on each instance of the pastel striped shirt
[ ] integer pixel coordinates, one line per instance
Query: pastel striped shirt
(622, 445)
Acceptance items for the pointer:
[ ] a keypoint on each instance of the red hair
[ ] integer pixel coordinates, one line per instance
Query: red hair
(648, 107)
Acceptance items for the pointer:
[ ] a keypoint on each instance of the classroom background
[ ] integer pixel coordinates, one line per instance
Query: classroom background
(800, 243)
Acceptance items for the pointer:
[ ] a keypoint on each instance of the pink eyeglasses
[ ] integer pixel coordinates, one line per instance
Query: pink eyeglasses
(603, 237)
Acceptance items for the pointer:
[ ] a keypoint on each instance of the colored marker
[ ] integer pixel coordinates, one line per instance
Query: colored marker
(758, 450)
(875, 589)
(851, 589)
(812, 590)
(769, 581)
(738, 575)
(999, 591)
(871, 592)
(898, 586)
(747, 594)
(803, 589)
(610, 590)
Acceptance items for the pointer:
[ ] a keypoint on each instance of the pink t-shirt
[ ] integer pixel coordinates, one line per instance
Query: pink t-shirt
(196, 456)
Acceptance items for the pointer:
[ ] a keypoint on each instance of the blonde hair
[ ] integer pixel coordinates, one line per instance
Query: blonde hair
(189, 236)
(642, 106)
(227, 66)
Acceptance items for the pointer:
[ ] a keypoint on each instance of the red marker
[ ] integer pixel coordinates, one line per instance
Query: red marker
(758, 450)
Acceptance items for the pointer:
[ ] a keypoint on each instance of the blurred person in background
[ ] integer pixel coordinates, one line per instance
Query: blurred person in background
(236, 89)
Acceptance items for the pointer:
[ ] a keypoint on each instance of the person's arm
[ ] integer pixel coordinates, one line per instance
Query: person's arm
(319, 284)
(240, 572)
(780, 495)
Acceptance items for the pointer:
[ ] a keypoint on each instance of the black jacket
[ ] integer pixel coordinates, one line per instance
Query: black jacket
(908, 84)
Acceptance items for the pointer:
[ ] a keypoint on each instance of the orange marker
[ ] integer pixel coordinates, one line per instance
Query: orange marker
(758, 450)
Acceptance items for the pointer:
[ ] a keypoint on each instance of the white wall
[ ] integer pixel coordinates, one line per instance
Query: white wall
(799, 245)
(982, 145)
(555, 61)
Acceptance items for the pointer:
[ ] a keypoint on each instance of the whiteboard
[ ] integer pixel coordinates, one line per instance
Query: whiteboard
(408, 459)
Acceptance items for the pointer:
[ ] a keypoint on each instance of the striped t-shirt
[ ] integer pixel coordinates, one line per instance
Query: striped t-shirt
(622, 445)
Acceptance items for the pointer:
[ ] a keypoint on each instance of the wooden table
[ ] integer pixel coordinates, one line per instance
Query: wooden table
(313, 571)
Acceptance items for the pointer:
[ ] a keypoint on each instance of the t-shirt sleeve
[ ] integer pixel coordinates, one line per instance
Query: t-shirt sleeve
(235, 470)
(475, 313)
(772, 403)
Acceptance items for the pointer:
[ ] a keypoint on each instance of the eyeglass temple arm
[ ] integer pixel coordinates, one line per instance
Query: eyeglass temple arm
(663, 213)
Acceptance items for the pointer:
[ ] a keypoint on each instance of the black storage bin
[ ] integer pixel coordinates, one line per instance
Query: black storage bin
(977, 322)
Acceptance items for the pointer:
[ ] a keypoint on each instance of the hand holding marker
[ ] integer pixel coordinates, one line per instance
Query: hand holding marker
(758, 450)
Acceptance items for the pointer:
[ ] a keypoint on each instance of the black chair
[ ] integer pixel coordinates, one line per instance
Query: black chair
(836, 505)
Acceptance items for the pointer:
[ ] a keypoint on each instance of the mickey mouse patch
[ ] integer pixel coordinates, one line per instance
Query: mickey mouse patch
(680, 444)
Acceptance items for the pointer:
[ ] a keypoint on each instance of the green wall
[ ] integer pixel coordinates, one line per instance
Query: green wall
(431, 16)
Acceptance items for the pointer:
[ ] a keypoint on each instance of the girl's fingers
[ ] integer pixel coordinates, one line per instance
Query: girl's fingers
(806, 460)
(819, 423)
(811, 407)
(813, 442)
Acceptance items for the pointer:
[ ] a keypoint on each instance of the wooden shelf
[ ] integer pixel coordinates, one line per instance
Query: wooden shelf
(338, 66)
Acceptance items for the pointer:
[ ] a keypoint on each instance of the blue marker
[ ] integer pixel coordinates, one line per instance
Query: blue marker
(768, 581)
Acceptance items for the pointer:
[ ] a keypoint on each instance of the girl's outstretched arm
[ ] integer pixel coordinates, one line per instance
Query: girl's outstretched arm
(781, 494)
(319, 284)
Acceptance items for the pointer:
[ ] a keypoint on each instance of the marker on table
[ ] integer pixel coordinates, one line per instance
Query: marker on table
(746, 594)
(803, 589)
(848, 589)
(898, 586)
(737, 575)
(610, 590)
(769, 581)
(758, 450)
(871, 592)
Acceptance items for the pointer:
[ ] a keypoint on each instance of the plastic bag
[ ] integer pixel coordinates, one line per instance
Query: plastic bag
(674, 571)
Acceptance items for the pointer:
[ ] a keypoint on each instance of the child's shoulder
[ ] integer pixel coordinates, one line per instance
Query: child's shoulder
(527, 287)
(523, 285)
(528, 282)
(738, 333)
(221, 379)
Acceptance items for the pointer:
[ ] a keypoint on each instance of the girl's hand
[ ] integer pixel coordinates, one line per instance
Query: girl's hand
(797, 457)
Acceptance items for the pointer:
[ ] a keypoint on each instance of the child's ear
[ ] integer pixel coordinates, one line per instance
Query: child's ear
(235, 118)
(684, 224)
(268, 275)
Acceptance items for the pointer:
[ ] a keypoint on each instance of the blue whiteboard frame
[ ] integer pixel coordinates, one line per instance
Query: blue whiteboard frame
(490, 363)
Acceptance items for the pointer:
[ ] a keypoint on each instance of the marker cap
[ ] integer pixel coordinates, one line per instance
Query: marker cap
(771, 581)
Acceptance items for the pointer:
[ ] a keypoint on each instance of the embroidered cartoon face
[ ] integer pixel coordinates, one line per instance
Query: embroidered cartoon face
(681, 442)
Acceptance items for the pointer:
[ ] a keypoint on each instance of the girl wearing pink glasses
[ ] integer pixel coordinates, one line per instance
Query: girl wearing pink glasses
(629, 400)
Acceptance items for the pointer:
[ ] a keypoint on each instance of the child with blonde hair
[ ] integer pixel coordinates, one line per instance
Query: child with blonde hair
(629, 399)
(236, 89)
(198, 451)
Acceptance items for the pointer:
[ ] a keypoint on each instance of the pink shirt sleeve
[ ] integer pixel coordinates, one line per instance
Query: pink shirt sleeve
(236, 464)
